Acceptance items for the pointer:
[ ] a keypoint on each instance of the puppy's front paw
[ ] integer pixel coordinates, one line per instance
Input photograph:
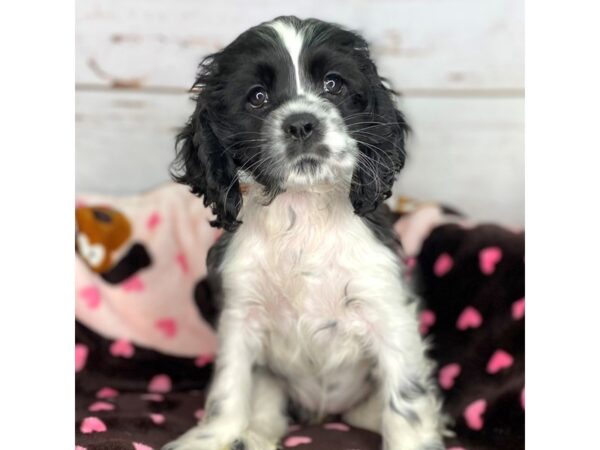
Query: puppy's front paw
(431, 445)
(203, 438)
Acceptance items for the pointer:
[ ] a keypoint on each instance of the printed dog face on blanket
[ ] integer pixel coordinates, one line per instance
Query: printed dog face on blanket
(103, 240)
(291, 103)
(314, 309)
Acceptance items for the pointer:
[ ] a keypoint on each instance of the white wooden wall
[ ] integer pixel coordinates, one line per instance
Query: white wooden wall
(459, 64)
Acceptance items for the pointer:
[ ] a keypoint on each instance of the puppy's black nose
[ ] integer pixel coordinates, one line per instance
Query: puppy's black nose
(299, 126)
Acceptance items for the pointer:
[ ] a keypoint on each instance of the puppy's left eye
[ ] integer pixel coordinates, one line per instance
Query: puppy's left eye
(333, 83)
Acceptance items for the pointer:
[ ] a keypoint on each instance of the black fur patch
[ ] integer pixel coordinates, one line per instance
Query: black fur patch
(410, 416)
(238, 444)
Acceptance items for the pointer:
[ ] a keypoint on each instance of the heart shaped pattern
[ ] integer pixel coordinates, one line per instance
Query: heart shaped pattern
(122, 348)
(107, 392)
(500, 360)
(518, 309)
(158, 419)
(160, 384)
(182, 262)
(153, 220)
(410, 262)
(81, 354)
(92, 425)
(199, 414)
(167, 326)
(489, 257)
(91, 296)
(93, 253)
(101, 406)
(473, 414)
(469, 318)
(443, 265)
(204, 360)
(294, 441)
(337, 426)
(79, 447)
(138, 446)
(427, 320)
(448, 374)
(133, 284)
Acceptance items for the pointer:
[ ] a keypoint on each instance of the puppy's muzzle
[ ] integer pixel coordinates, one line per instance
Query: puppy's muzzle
(303, 134)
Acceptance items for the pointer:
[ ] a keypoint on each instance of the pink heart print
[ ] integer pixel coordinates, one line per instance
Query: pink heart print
(91, 296)
(427, 320)
(337, 426)
(81, 354)
(107, 392)
(158, 419)
(138, 446)
(182, 262)
(160, 384)
(474, 414)
(518, 309)
(448, 374)
(153, 220)
(489, 257)
(443, 265)
(199, 414)
(294, 441)
(204, 360)
(101, 406)
(499, 360)
(167, 326)
(133, 284)
(79, 447)
(469, 318)
(122, 348)
(92, 425)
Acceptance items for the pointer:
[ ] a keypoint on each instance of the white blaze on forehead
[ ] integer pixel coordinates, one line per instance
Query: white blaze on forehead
(292, 40)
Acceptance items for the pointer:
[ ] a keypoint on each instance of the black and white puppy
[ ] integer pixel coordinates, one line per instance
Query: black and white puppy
(315, 313)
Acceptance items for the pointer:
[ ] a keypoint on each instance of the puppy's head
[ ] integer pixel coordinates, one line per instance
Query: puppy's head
(291, 104)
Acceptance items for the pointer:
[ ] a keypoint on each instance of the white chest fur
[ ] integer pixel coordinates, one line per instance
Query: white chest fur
(309, 276)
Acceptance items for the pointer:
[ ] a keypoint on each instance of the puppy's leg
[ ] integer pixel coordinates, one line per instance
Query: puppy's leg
(367, 414)
(411, 416)
(228, 405)
(269, 404)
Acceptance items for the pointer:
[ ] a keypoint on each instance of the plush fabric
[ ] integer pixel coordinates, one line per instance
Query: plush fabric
(145, 293)
(144, 348)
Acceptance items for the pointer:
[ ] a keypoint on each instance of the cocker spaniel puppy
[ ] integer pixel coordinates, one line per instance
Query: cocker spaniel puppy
(315, 316)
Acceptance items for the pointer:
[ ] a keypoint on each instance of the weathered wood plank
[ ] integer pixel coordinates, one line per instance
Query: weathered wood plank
(419, 45)
(467, 152)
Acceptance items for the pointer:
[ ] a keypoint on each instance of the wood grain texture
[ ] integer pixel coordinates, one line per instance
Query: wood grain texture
(420, 45)
(466, 152)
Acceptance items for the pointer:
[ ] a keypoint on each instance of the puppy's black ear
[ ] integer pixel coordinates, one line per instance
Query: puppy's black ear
(204, 165)
(381, 138)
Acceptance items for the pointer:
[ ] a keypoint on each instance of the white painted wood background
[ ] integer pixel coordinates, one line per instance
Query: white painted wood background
(459, 64)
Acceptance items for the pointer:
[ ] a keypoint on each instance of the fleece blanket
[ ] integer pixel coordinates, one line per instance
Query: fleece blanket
(144, 343)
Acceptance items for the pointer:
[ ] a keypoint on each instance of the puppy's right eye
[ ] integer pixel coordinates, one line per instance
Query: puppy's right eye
(258, 97)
